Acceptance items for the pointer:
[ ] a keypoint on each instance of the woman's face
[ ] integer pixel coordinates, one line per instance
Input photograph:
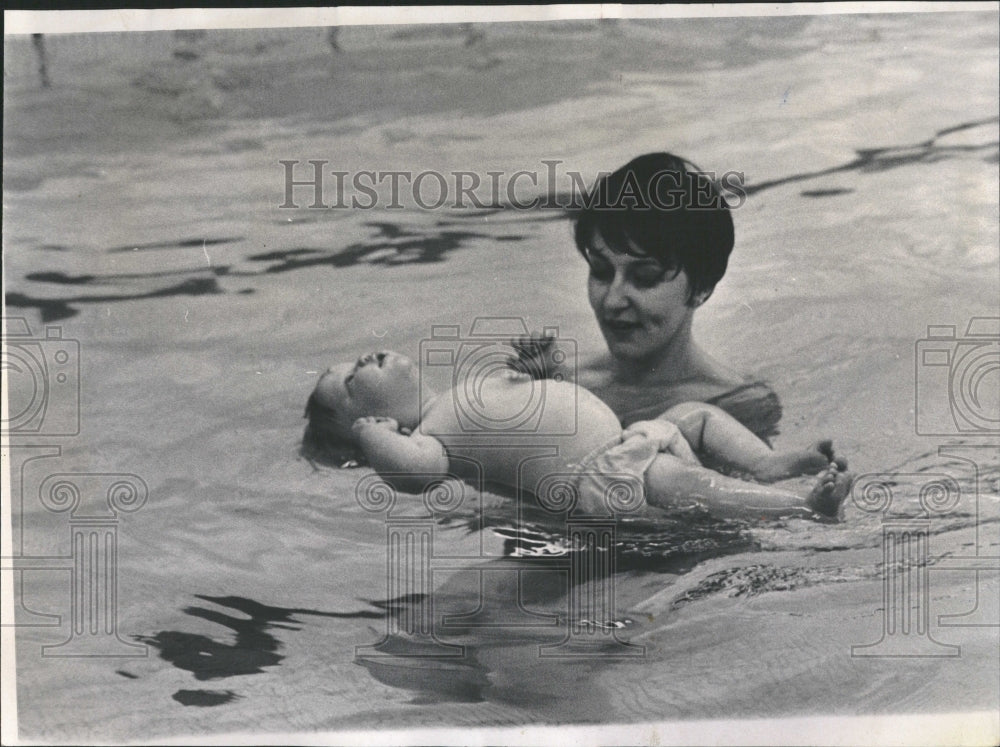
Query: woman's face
(640, 304)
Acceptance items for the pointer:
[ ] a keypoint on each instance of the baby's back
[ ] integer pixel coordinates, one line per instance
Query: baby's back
(513, 430)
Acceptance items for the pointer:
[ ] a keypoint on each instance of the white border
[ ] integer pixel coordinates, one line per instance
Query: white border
(81, 21)
(932, 730)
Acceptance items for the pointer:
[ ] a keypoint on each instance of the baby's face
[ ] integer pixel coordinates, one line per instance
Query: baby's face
(386, 384)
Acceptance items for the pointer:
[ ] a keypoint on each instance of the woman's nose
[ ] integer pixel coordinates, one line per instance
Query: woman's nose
(616, 297)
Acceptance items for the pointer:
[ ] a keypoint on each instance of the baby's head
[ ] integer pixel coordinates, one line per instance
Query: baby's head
(383, 384)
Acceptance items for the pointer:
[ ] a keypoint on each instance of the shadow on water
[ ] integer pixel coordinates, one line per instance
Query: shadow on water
(866, 160)
(180, 244)
(825, 192)
(205, 698)
(54, 309)
(255, 646)
(395, 245)
(392, 245)
(61, 278)
(871, 160)
(206, 658)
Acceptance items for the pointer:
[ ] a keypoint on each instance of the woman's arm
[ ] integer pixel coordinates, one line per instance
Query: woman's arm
(408, 462)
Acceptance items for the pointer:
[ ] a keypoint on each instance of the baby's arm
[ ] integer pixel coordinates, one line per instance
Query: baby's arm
(407, 462)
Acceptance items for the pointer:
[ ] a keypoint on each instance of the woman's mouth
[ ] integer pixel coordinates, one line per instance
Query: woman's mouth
(620, 326)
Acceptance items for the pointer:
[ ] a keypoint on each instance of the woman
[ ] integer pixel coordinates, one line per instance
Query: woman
(657, 235)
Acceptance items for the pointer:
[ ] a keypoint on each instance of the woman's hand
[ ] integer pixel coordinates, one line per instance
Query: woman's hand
(668, 437)
(539, 356)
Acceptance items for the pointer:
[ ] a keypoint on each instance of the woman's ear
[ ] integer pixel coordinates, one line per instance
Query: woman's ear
(700, 297)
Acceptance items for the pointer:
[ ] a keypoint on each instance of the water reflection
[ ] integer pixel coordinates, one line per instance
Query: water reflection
(545, 601)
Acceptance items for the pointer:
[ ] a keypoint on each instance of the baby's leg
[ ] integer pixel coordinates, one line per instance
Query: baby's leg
(672, 483)
(715, 432)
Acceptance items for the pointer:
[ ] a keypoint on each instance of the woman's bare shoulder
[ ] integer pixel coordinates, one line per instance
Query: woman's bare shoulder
(595, 374)
(650, 401)
(747, 401)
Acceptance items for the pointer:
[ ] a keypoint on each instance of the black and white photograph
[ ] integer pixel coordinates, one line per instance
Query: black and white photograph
(572, 374)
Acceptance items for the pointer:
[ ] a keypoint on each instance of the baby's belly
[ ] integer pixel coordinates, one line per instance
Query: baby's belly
(572, 423)
(521, 466)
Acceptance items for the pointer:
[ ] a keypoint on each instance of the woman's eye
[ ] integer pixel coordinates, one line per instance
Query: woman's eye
(647, 277)
(601, 270)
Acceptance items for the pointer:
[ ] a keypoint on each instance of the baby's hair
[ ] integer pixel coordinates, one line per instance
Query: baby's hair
(682, 221)
(323, 440)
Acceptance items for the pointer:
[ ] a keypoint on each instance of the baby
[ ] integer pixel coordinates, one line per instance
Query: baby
(411, 438)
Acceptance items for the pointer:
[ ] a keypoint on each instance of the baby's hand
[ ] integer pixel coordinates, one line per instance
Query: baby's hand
(375, 421)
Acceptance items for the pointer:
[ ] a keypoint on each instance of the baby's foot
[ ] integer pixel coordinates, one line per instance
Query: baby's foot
(809, 461)
(830, 491)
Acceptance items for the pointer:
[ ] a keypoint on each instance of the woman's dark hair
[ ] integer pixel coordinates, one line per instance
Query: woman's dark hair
(661, 206)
